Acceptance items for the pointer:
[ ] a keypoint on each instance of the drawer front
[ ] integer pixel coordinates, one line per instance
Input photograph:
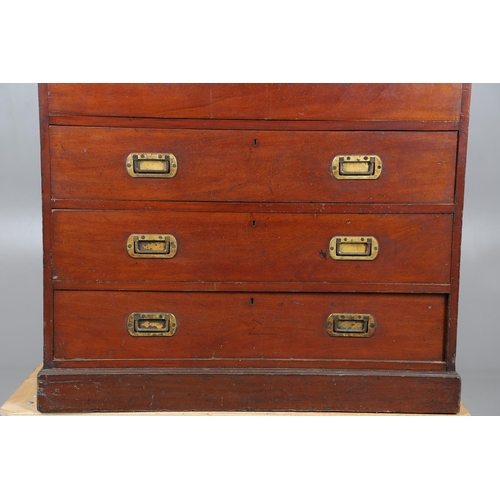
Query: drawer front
(92, 246)
(401, 102)
(258, 166)
(93, 325)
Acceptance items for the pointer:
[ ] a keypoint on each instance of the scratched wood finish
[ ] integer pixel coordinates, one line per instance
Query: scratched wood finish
(209, 364)
(45, 160)
(242, 124)
(83, 247)
(217, 247)
(254, 286)
(263, 166)
(173, 389)
(90, 325)
(451, 340)
(215, 206)
(398, 102)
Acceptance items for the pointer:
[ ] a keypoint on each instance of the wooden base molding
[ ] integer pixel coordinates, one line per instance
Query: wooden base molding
(195, 389)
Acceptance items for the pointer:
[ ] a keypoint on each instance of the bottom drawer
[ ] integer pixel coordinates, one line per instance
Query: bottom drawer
(231, 329)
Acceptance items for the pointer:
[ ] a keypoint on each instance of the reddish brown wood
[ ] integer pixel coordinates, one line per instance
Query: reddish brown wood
(211, 124)
(206, 206)
(416, 214)
(378, 102)
(47, 226)
(255, 286)
(337, 364)
(219, 247)
(90, 163)
(231, 389)
(92, 325)
(451, 341)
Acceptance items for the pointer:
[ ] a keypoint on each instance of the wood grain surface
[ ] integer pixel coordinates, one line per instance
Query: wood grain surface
(242, 124)
(451, 340)
(252, 166)
(136, 389)
(399, 102)
(253, 208)
(45, 160)
(23, 403)
(91, 246)
(210, 326)
(215, 206)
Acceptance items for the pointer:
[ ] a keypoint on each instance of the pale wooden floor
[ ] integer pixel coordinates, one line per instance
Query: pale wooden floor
(23, 403)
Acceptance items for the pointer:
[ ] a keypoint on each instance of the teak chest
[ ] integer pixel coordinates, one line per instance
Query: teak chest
(224, 247)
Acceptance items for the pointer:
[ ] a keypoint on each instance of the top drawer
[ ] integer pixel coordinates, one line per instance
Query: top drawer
(350, 102)
(96, 163)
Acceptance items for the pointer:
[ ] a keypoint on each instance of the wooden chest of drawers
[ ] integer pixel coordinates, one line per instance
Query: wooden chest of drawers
(226, 247)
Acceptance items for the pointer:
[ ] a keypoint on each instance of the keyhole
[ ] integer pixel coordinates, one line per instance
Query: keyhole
(254, 223)
(255, 142)
(251, 301)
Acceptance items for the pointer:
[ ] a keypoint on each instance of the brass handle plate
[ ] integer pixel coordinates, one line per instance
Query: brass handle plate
(350, 325)
(151, 165)
(151, 324)
(151, 246)
(352, 167)
(353, 248)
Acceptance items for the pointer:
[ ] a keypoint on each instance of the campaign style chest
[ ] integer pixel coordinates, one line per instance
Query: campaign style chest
(251, 247)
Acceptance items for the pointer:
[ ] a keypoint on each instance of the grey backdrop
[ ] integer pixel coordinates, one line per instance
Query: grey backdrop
(21, 253)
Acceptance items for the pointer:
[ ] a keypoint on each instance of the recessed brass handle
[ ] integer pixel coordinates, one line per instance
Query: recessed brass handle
(345, 167)
(353, 248)
(151, 246)
(151, 165)
(350, 325)
(151, 324)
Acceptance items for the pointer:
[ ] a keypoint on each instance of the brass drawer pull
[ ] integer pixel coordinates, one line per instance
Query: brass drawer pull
(353, 167)
(151, 246)
(350, 325)
(151, 165)
(353, 248)
(151, 324)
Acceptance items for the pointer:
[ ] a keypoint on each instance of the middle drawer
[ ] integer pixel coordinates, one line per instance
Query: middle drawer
(93, 246)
